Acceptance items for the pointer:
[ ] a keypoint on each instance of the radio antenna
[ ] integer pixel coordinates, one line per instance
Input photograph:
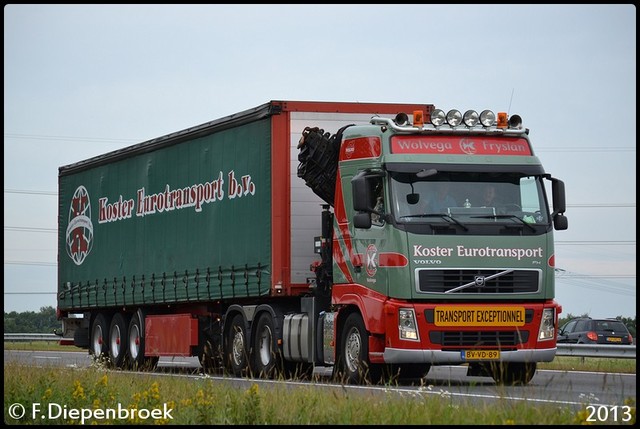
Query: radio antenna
(509, 110)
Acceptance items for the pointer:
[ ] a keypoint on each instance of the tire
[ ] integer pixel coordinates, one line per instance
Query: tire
(353, 361)
(99, 340)
(514, 373)
(237, 355)
(119, 340)
(135, 341)
(266, 354)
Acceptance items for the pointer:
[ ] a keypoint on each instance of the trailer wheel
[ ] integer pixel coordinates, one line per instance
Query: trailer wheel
(119, 340)
(135, 342)
(353, 361)
(236, 347)
(513, 373)
(265, 347)
(99, 342)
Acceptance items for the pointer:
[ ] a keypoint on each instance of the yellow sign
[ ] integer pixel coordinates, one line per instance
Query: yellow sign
(478, 316)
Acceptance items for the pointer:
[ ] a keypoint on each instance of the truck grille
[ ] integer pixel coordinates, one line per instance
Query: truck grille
(479, 338)
(441, 281)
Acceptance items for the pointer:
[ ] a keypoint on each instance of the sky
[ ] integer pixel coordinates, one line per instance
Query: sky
(83, 80)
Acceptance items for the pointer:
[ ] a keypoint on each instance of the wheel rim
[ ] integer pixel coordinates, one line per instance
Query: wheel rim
(134, 341)
(352, 350)
(237, 349)
(265, 346)
(97, 340)
(115, 341)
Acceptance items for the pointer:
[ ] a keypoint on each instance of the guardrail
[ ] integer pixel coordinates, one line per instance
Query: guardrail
(577, 350)
(36, 337)
(597, 350)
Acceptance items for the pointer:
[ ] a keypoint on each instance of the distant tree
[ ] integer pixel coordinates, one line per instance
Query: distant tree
(43, 322)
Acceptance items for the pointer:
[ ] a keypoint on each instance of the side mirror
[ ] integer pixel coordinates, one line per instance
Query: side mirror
(560, 222)
(559, 203)
(361, 193)
(362, 220)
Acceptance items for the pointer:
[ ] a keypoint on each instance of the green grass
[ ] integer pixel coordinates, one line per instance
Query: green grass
(38, 345)
(205, 401)
(571, 363)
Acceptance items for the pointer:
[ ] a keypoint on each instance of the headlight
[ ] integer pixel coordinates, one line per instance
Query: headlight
(407, 324)
(547, 330)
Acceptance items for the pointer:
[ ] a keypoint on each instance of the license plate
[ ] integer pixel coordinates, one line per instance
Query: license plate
(480, 354)
(614, 339)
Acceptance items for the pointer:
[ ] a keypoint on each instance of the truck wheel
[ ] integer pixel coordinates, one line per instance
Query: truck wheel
(353, 362)
(236, 347)
(265, 347)
(135, 342)
(99, 337)
(119, 340)
(514, 373)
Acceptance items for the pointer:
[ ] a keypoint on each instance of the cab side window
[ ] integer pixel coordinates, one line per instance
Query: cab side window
(378, 205)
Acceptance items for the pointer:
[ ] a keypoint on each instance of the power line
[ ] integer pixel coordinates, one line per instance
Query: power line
(21, 191)
(589, 205)
(587, 149)
(36, 263)
(115, 140)
(602, 205)
(29, 229)
(596, 242)
(30, 293)
(67, 138)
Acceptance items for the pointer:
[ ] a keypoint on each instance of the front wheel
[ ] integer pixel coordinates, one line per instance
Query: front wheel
(353, 365)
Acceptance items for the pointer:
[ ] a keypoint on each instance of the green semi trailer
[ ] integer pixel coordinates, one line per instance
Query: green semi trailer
(302, 234)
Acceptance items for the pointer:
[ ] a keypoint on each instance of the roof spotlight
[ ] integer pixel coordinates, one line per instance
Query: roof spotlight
(454, 117)
(438, 117)
(471, 118)
(515, 121)
(402, 119)
(487, 118)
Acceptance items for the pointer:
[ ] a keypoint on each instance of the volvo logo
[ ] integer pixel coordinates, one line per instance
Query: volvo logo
(479, 281)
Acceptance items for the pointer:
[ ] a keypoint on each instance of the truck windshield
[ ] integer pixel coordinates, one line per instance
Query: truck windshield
(468, 198)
